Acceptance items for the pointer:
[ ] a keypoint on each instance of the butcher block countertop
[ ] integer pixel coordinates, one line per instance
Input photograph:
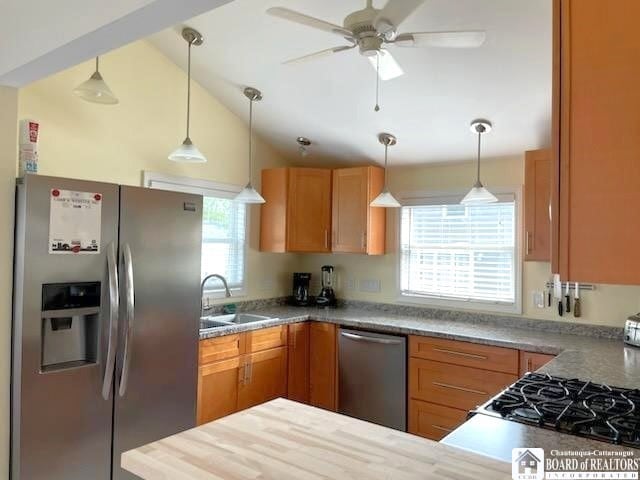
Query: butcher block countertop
(284, 440)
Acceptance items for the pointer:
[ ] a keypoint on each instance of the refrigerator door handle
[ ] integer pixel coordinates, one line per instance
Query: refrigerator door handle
(114, 306)
(130, 315)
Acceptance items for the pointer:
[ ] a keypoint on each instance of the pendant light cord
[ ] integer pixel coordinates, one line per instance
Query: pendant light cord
(97, 64)
(189, 87)
(478, 166)
(377, 107)
(386, 172)
(250, 136)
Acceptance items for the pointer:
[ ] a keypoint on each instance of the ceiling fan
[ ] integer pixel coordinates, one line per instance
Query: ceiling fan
(372, 30)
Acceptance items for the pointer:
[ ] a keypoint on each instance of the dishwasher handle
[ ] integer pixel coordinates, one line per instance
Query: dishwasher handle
(367, 339)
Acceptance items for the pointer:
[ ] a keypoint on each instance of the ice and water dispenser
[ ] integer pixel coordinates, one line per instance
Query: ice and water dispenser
(70, 324)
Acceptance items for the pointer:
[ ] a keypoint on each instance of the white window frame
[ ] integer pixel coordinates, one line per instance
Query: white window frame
(205, 188)
(452, 197)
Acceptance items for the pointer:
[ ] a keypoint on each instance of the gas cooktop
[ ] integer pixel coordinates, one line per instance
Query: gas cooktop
(571, 406)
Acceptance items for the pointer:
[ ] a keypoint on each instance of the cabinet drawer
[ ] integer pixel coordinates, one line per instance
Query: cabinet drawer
(433, 421)
(453, 385)
(220, 348)
(468, 354)
(266, 338)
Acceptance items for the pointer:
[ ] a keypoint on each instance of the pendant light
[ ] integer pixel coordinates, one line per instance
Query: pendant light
(187, 151)
(385, 199)
(303, 145)
(96, 90)
(248, 193)
(479, 195)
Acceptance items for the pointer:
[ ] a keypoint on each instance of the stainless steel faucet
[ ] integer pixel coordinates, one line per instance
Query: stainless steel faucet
(227, 293)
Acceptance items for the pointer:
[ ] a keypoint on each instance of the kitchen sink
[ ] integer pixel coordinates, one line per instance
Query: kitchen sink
(216, 321)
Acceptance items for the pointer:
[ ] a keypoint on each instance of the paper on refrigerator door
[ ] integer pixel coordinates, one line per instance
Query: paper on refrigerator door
(74, 222)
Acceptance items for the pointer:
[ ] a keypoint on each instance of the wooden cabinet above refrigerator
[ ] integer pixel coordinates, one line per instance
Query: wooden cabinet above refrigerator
(596, 127)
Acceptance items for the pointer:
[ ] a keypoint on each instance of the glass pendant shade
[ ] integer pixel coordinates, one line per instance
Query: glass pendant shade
(385, 199)
(249, 195)
(478, 195)
(96, 90)
(187, 152)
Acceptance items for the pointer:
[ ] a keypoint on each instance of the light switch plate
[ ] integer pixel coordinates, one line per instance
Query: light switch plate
(351, 284)
(370, 285)
(538, 299)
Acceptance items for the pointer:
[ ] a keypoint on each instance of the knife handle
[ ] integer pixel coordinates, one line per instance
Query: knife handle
(560, 308)
(567, 306)
(577, 308)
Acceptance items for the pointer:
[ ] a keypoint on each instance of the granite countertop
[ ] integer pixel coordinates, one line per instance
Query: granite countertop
(582, 351)
(285, 440)
(585, 355)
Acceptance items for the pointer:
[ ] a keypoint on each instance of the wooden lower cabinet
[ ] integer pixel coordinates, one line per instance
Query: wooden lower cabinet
(433, 421)
(264, 377)
(298, 359)
(530, 361)
(218, 389)
(322, 365)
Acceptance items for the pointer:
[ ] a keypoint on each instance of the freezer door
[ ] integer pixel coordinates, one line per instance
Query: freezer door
(60, 422)
(156, 377)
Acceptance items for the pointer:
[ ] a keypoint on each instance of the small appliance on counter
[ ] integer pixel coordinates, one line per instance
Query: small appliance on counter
(632, 330)
(300, 297)
(327, 297)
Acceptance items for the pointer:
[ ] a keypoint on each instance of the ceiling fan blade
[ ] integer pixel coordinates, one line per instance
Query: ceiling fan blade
(470, 39)
(321, 53)
(312, 22)
(389, 68)
(394, 13)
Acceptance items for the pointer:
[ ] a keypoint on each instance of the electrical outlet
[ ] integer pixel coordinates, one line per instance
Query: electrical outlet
(370, 285)
(538, 299)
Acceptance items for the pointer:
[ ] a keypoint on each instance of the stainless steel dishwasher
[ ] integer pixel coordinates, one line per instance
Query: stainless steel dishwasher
(372, 377)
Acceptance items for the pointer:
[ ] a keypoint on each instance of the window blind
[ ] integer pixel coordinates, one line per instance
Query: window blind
(465, 253)
(223, 239)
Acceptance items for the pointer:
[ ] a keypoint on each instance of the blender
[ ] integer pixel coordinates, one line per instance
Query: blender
(327, 297)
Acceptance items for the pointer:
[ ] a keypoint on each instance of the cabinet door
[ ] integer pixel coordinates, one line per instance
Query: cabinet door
(530, 361)
(273, 213)
(309, 210)
(265, 377)
(537, 195)
(357, 227)
(218, 389)
(298, 378)
(598, 149)
(322, 365)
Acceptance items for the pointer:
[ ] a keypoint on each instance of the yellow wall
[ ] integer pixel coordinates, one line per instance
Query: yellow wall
(607, 305)
(116, 143)
(8, 112)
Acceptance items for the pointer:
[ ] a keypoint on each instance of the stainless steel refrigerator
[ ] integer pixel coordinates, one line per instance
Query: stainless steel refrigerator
(105, 327)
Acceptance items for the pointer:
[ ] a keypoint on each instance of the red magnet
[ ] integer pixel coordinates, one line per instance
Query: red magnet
(76, 249)
(55, 192)
(97, 197)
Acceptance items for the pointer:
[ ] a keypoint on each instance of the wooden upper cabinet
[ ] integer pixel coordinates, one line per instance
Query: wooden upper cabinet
(597, 141)
(297, 214)
(537, 195)
(309, 210)
(357, 227)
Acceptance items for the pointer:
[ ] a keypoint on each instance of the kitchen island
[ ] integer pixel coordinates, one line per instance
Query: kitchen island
(283, 440)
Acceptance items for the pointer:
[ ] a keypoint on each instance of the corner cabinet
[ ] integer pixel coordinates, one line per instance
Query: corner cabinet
(596, 147)
(537, 195)
(297, 214)
(357, 227)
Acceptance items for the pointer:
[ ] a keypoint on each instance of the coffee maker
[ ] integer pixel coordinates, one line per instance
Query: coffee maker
(327, 297)
(300, 295)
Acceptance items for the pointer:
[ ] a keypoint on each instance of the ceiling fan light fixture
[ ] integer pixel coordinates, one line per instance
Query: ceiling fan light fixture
(95, 89)
(479, 195)
(187, 152)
